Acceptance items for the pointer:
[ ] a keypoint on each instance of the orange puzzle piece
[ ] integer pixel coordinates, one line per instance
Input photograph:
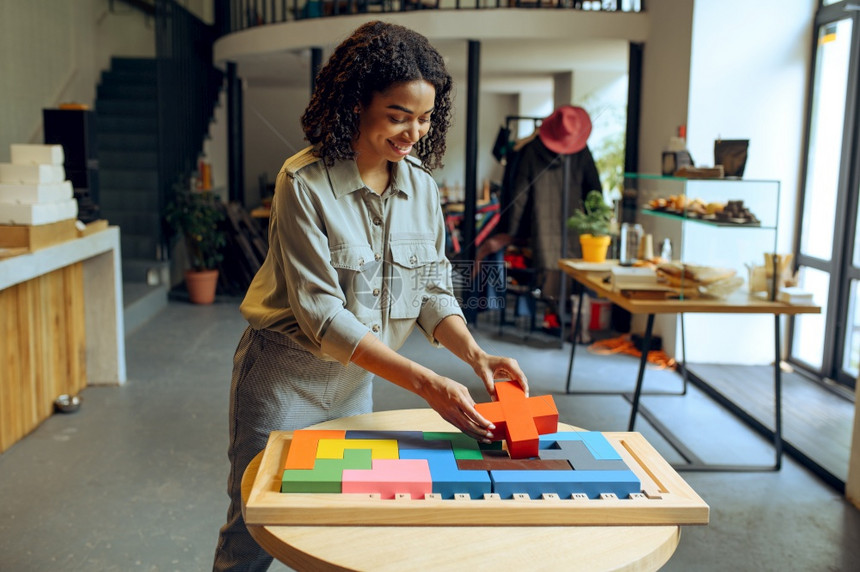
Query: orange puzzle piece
(303, 448)
(520, 419)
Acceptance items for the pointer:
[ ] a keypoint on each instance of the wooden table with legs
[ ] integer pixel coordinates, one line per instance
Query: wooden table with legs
(397, 548)
(738, 303)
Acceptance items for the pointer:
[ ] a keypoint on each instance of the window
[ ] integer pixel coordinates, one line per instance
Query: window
(828, 344)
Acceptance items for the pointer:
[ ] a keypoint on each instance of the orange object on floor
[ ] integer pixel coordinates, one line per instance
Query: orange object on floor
(623, 345)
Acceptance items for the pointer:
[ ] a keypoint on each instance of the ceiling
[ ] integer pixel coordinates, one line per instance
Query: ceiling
(520, 50)
(513, 66)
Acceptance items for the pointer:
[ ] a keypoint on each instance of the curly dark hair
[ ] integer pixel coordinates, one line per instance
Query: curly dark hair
(375, 57)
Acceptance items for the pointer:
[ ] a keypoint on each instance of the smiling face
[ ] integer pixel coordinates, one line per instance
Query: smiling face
(393, 122)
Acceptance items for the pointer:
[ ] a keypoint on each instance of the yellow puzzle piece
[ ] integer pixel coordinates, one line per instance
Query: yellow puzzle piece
(379, 448)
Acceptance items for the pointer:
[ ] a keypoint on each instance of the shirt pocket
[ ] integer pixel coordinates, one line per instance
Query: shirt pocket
(415, 272)
(359, 275)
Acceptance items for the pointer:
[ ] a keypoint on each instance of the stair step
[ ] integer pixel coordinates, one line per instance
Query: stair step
(135, 65)
(128, 179)
(117, 90)
(127, 142)
(128, 106)
(113, 77)
(132, 200)
(135, 223)
(128, 160)
(125, 124)
(138, 246)
(146, 270)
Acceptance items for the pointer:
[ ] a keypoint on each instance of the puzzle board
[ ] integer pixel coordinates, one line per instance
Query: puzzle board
(664, 498)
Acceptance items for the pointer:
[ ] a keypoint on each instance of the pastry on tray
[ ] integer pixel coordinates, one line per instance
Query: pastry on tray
(703, 280)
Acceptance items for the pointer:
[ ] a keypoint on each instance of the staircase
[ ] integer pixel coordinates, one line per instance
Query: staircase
(127, 116)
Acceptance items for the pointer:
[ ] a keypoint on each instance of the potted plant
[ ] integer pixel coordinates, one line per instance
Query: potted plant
(196, 216)
(593, 223)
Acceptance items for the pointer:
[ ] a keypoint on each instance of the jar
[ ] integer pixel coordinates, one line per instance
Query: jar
(631, 234)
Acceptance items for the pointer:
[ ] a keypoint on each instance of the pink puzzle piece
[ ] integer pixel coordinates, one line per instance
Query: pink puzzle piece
(389, 477)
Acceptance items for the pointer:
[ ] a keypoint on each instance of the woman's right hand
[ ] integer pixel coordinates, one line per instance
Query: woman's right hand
(452, 401)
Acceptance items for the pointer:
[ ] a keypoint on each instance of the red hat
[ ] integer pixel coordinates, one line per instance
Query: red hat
(566, 130)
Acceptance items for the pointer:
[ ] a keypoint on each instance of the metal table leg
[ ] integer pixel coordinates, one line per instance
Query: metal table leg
(696, 464)
(574, 334)
(646, 341)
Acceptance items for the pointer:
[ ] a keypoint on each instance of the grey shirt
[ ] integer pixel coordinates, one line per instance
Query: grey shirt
(344, 261)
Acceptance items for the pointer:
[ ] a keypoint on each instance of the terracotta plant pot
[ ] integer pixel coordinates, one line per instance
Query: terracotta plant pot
(594, 248)
(201, 285)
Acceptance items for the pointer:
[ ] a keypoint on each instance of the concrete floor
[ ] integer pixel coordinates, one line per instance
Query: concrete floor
(135, 480)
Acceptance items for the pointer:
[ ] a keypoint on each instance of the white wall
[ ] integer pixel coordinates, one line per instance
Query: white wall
(53, 52)
(665, 78)
(748, 78)
(273, 132)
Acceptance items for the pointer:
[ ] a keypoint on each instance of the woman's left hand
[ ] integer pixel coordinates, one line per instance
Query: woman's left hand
(491, 368)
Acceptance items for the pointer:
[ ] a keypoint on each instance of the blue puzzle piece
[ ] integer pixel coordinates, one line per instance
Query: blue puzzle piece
(599, 446)
(565, 483)
(581, 458)
(447, 479)
(548, 440)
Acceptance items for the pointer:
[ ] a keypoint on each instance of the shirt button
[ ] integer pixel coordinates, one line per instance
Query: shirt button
(377, 257)
(376, 291)
(377, 221)
(375, 328)
(361, 261)
(413, 259)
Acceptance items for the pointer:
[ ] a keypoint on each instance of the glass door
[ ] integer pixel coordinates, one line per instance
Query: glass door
(828, 344)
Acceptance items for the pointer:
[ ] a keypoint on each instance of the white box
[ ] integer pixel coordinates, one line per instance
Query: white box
(794, 295)
(623, 276)
(40, 213)
(27, 174)
(30, 194)
(26, 154)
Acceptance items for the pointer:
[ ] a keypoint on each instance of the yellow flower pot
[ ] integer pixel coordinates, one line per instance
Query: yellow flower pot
(594, 248)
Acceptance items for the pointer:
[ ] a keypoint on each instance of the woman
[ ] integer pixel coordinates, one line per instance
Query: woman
(356, 260)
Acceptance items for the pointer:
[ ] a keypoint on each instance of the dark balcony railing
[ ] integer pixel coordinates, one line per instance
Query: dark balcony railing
(236, 15)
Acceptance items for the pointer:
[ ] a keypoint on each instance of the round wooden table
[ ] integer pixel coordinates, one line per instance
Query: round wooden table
(380, 548)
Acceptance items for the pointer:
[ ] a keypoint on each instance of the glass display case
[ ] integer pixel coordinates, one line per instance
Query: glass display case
(729, 224)
(723, 223)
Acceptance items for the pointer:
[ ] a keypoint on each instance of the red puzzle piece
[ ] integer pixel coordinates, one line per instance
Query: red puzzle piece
(520, 419)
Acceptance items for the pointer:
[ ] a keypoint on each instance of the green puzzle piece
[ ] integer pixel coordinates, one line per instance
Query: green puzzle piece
(464, 446)
(327, 474)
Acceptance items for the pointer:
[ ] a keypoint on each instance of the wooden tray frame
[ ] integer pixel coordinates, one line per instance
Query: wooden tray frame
(666, 499)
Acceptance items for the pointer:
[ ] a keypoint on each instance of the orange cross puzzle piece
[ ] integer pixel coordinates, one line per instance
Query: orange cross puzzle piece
(520, 419)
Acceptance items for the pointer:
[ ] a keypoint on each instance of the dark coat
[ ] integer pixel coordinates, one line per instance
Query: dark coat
(534, 211)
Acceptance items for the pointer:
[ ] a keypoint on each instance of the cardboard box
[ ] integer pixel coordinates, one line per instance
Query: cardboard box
(31, 174)
(27, 154)
(39, 213)
(36, 193)
(35, 237)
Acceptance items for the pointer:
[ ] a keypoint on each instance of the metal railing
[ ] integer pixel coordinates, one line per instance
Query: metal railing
(188, 87)
(235, 15)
